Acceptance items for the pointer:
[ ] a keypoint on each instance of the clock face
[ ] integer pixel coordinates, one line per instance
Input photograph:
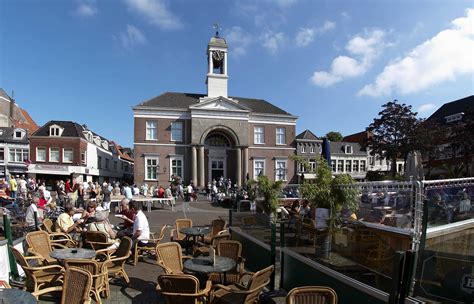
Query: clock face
(218, 55)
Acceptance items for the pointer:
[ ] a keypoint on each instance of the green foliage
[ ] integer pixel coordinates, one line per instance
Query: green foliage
(268, 193)
(251, 187)
(334, 136)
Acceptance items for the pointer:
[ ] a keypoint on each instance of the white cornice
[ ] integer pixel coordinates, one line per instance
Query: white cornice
(272, 148)
(161, 144)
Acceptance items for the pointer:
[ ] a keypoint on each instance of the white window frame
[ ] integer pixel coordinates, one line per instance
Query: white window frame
(2, 154)
(333, 165)
(153, 166)
(84, 161)
(348, 165)
(37, 154)
(255, 160)
(311, 149)
(55, 131)
(16, 152)
(312, 165)
(259, 135)
(284, 168)
(340, 162)
(176, 157)
(22, 134)
(362, 165)
(99, 162)
(349, 149)
(280, 136)
(72, 155)
(174, 124)
(149, 128)
(355, 165)
(59, 155)
(303, 149)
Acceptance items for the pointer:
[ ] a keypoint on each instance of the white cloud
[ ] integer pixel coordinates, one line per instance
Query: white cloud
(365, 48)
(424, 108)
(306, 35)
(86, 8)
(238, 39)
(156, 13)
(283, 3)
(273, 41)
(131, 37)
(444, 57)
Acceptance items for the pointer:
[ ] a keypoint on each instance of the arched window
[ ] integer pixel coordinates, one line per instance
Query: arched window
(217, 139)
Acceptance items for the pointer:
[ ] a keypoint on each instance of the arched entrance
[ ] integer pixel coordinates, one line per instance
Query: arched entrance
(219, 147)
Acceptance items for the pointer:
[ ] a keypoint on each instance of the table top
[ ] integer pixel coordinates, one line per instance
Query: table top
(195, 230)
(13, 296)
(72, 253)
(204, 264)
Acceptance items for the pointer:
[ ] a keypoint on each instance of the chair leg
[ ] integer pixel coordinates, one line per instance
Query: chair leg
(96, 296)
(125, 276)
(135, 256)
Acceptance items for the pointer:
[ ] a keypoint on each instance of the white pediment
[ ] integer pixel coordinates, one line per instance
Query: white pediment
(219, 104)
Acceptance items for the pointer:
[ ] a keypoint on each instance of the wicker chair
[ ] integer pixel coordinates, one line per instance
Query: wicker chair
(311, 295)
(115, 259)
(217, 225)
(100, 278)
(177, 236)
(169, 257)
(97, 240)
(183, 289)
(77, 286)
(232, 250)
(57, 237)
(39, 280)
(203, 249)
(149, 247)
(40, 244)
(240, 293)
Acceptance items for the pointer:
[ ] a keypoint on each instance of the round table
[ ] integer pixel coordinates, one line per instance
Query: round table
(73, 253)
(204, 265)
(13, 296)
(194, 232)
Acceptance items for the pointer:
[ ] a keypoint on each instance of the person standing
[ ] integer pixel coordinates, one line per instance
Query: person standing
(13, 187)
(127, 191)
(30, 214)
(22, 184)
(190, 192)
(106, 196)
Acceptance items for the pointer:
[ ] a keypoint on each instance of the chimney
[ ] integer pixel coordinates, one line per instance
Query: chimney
(12, 109)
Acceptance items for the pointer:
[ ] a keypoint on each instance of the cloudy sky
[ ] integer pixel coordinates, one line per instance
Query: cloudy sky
(332, 63)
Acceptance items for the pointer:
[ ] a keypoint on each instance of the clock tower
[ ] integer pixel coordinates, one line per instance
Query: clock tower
(217, 77)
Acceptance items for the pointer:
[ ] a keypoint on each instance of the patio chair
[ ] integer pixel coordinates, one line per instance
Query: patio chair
(97, 240)
(100, 278)
(217, 225)
(311, 295)
(39, 279)
(149, 247)
(57, 237)
(175, 235)
(77, 286)
(183, 289)
(169, 257)
(40, 244)
(232, 250)
(240, 292)
(116, 258)
(203, 249)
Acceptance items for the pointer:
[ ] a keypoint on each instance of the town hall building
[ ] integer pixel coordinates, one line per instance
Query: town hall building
(204, 137)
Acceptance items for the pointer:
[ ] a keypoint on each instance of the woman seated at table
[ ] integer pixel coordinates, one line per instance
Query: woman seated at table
(102, 224)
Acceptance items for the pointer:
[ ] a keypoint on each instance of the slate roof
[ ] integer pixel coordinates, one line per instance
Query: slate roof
(6, 136)
(307, 135)
(184, 100)
(453, 107)
(71, 129)
(337, 148)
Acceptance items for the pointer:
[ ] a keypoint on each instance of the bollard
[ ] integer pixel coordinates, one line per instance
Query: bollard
(230, 217)
(8, 235)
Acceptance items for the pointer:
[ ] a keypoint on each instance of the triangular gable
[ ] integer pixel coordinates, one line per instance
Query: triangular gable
(219, 104)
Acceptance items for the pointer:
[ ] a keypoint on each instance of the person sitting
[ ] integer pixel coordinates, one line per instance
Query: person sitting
(102, 224)
(88, 215)
(161, 192)
(141, 227)
(66, 224)
(128, 217)
(53, 211)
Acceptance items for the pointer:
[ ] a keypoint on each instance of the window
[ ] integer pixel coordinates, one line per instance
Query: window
(311, 150)
(371, 160)
(177, 131)
(54, 131)
(99, 162)
(280, 170)
(348, 149)
(258, 168)
(151, 168)
(280, 136)
(41, 154)
(400, 168)
(2, 154)
(176, 165)
(355, 166)
(127, 167)
(151, 130)
(362, 165)
(348, 165)
(83, 157)
(18, 155)
(312, 165)
(340, 165)
(258, 135)
(54, 155)
(115, 165)
(333, 165)
(301, 168)
(303, 149)
(107, 161)
(18, 134)
(68, 155)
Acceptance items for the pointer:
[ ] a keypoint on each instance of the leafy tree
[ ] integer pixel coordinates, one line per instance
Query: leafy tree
(268, 192)
(392, 132)
(334, 136)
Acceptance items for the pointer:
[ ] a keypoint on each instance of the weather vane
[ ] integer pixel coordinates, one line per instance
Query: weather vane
(217, 28)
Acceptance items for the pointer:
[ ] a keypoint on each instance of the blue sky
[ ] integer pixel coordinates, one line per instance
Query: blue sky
(332, 63)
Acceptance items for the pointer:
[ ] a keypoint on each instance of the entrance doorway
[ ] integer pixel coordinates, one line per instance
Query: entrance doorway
(217, 168)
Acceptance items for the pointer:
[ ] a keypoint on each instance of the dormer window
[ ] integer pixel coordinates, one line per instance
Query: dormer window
(454, 117)
(97, 140)
(105, 145)
(55, 131)
(348, 149)
(18, 134)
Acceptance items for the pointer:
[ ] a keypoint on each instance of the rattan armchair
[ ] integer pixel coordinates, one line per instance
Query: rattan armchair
(115, 259)
(40, 244)
(100, 278)
(175, 234)
(57, 237)
(150, 246)
(217, 225)
(203, 249)
(97, 240)
(169, 257)
(183, 289)
(240, 292)
(77, 286)
(311, 295)
(39, 279)
(232, 250)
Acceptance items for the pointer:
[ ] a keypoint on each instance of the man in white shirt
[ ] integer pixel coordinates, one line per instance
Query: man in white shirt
(127, 191)
(30, 213)
(141, 228)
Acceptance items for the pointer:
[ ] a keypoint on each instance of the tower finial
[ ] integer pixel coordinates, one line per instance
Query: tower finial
(217, 28)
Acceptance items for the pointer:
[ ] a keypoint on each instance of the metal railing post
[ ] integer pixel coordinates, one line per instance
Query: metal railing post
(282, 245)
(273, 254)
(8, 235)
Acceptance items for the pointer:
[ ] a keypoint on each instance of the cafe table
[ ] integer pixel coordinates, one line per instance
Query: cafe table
(73, 253)
(14, 296)
(203, 266)
(194, 232)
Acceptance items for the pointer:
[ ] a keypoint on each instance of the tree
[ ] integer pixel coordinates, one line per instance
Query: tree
(334, 136)
(392, 132)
